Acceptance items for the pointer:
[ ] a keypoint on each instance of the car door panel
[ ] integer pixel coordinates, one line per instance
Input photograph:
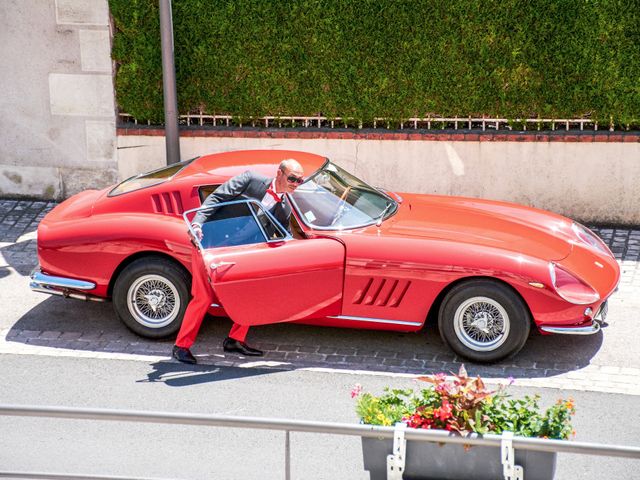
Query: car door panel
(278, 281)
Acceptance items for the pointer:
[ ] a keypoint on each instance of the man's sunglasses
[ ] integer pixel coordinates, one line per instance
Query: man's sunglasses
(294, 179)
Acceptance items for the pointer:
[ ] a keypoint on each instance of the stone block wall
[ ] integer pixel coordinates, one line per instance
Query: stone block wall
(57, 111)
(58, 133)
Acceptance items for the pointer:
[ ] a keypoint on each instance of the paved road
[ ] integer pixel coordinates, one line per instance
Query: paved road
(197, 453)
(31, 322)
(65, 352)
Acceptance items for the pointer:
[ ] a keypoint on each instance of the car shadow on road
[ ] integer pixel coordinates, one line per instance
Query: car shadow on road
(425, 351)
(86, 326)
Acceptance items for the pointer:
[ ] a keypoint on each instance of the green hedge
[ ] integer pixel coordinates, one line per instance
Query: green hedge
(383, 58)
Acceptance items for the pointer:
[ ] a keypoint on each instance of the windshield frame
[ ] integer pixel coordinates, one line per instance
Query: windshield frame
(373, 221)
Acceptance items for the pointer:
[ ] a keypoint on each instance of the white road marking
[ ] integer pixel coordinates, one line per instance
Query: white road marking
(591, 378)
(27, 236)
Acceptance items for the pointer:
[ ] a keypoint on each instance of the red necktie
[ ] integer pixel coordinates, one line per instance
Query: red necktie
(273, 194)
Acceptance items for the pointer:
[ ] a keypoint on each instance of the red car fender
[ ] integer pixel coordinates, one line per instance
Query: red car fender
(97, 247)
(393, 277)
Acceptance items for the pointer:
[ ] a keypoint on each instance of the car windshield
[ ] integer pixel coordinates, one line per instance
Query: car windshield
(333, 199)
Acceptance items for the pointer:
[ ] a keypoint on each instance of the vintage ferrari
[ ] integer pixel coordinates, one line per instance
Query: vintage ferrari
(353, 256)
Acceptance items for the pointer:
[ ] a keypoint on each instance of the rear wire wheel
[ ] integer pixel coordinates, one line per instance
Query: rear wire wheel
(484, 321)
(151, 295)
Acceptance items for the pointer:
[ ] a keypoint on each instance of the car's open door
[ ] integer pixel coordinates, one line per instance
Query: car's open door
(260, 274)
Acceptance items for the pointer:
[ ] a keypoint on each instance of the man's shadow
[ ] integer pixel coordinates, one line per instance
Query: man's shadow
(4, 272)
(175, 374)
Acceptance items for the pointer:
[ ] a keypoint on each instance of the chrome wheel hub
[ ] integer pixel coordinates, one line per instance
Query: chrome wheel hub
(156, 299)
(481, 324)
(153, 301)
(481, 321)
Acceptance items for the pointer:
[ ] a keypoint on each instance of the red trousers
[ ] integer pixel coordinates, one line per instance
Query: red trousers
(202, 297)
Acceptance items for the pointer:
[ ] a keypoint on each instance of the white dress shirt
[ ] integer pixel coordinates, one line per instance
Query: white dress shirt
(269, 199)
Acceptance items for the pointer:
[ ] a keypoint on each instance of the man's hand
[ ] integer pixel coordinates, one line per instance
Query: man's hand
(197, 229)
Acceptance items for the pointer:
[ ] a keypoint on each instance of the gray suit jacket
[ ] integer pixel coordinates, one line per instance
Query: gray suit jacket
(246, 185)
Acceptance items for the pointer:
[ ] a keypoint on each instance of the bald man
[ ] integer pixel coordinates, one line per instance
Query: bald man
(270, 192)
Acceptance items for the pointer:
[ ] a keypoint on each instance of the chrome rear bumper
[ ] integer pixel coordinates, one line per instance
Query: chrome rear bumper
(596, 324)
(66, 287)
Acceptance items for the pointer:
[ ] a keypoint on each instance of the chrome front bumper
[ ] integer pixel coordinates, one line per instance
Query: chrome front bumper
(66, 287)
(596, 324)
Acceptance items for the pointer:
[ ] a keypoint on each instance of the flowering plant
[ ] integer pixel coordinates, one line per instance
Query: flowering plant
(464, 405)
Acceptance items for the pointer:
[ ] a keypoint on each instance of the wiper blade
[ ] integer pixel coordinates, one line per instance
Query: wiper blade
(384, 212)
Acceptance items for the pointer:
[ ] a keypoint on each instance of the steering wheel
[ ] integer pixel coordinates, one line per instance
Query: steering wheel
(342, 203)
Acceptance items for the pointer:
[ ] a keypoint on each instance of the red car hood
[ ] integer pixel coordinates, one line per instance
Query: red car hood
(501, 225)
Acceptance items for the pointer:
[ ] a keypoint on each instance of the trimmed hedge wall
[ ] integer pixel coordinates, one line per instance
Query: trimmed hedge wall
(362, 59)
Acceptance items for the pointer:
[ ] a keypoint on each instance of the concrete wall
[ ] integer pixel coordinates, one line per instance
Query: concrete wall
(58, 133)
(592, 182)
(57, 113)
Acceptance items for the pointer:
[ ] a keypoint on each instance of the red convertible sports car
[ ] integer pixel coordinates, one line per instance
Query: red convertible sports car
(357, 256)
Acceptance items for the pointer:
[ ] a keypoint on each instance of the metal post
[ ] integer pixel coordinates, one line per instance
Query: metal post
(169, 84)
(287, 456)
(396, 461)
(510, 470)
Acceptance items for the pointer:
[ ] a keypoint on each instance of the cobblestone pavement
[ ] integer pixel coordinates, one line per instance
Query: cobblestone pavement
(604, 362)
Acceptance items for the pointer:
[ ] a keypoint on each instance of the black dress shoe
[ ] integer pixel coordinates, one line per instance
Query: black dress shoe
(183, 355)
(231, 345)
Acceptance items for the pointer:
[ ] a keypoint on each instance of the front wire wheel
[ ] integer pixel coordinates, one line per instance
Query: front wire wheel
(481, 324)
(484, 320)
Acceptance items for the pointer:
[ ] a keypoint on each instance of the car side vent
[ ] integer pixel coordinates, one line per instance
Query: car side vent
(169, 203)
(382, 292)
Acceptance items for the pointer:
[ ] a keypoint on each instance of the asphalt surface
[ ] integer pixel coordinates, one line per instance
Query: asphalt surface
(608, 361)
(188, 452)
(70, 353)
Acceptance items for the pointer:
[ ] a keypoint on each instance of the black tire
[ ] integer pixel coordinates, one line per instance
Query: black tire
(484, 321)
(161, 288)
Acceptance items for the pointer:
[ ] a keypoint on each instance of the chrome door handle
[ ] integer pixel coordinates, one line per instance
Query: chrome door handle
(215, 266)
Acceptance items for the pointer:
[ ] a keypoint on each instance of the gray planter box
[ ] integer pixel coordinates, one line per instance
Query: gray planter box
(426, 460)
